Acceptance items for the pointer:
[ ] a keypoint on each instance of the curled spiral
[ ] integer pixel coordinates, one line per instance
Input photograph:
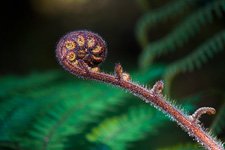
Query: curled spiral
(81, 46)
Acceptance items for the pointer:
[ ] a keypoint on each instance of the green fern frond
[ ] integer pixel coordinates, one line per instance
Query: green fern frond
(218, 124)
(14, 122)
(182, 33)
(196, 59)
(17, 113)
(152, 18)
(8, 145)
(184, 147)
(48, 114)
(11, 84)
(117, 132)
(44, 118)
(7, 106)
(32, 101)
(75, 110)
(78, 107)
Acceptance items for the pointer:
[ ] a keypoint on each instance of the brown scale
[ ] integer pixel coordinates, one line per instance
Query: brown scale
(96, 59)
(81, 53)
(98, 50)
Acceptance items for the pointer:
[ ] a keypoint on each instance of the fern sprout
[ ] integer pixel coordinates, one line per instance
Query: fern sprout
(84, 67)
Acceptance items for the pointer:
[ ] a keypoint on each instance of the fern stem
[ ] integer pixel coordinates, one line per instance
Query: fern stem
(155, 99)
(87, 67)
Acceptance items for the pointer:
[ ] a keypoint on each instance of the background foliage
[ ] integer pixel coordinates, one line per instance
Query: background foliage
(181, 42)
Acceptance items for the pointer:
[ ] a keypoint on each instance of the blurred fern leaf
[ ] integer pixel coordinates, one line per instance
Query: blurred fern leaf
(45, 112)
(10, 84)
(116, 132)
(183, 32)
(196, 59)
(153, 17)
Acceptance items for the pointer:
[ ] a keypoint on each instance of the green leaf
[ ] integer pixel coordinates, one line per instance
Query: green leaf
(196, 59)
(182, 33)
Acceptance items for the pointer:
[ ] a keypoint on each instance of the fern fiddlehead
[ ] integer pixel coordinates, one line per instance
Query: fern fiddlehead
(82, 45)
(84, 68)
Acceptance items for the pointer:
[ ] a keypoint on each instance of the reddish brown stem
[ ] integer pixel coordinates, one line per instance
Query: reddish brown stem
(201, 111)
(156, 99)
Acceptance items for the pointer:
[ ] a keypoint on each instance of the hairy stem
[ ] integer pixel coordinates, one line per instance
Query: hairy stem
(153, 96)
(201, 111)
